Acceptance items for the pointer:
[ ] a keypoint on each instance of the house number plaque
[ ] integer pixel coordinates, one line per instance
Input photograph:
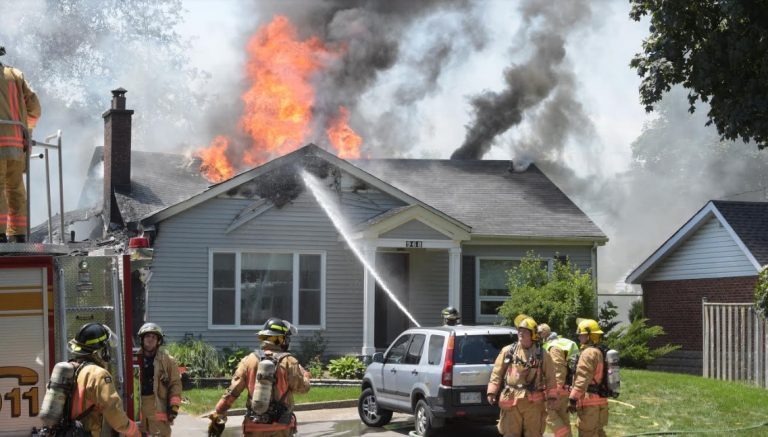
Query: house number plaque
(414, 243)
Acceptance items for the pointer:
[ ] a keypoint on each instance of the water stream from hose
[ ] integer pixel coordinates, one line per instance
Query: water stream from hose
(326, 201)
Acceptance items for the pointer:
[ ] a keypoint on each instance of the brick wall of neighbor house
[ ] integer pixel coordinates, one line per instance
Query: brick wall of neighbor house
(676, 305)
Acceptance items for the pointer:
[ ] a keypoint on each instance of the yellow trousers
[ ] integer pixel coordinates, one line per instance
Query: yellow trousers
(558, 419)
(13, 197)
(592, 421)
(152, 423)
(525, 417)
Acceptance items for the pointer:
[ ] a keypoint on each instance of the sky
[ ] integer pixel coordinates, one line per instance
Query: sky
(416, 106)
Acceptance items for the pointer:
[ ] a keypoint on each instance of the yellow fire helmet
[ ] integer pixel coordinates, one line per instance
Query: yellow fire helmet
(523, 321)
(587, 326)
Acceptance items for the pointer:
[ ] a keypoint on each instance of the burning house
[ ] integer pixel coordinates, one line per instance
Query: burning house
(229, 255)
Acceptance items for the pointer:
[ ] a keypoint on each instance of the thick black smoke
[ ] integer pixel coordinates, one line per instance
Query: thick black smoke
(546, 27)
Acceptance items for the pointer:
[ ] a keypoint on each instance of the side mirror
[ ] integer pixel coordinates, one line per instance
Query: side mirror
(378, 357)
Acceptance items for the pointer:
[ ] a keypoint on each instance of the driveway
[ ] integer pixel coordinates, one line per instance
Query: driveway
(338, 422)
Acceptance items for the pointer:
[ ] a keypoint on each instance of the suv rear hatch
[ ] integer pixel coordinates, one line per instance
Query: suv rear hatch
(473, 358)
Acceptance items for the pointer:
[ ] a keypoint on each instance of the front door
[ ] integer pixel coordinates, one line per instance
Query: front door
(390, 321)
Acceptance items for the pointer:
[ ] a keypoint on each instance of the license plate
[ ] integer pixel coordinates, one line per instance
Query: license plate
(469, 397)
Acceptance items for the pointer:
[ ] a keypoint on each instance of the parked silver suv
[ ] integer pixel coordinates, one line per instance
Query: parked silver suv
(434, 373)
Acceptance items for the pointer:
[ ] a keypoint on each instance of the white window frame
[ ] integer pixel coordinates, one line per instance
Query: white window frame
(484, 318)
(295, 296)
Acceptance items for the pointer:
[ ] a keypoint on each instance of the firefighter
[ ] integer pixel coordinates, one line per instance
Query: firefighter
(17, 103)
(522, 377)
(274, 391)
(563, 352)
(160, 383)
(591, 408)
(95, 402)
(451, 316)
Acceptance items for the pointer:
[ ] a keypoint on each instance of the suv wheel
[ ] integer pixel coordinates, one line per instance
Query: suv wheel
(370, 412)
(426, 423)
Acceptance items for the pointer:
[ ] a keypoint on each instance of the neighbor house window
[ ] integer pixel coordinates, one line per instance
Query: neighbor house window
(250, 287)
(492, 288)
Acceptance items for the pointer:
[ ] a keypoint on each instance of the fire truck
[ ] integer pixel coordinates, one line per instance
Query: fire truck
(46, 295)
(47, 292)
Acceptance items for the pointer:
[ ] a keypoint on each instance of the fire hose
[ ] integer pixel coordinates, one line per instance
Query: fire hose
(726, 431)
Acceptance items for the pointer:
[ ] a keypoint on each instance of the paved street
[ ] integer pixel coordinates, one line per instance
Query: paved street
(339, 422)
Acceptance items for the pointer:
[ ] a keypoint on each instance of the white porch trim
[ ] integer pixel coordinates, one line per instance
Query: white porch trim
(369, 300)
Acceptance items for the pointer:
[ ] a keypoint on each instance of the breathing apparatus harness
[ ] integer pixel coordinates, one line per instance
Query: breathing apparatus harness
(534, 362)
(604, 388)
(277, 411)
(69, 427)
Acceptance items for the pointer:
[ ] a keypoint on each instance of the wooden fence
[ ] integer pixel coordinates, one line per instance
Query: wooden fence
(735, 343)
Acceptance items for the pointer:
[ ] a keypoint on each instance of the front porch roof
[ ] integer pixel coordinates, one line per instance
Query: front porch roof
(396, 217)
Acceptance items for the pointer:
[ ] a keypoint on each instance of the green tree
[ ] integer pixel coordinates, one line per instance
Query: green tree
(557, 298)
(636, 310)
(761, 292)
(606, 317)
(632, 343)
(716, 50)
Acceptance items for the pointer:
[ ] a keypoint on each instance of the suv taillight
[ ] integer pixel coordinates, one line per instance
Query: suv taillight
(447, 377)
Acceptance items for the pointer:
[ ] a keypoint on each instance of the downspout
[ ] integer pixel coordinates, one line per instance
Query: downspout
(594, 274)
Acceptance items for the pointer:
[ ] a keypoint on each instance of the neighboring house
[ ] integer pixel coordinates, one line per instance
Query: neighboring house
(230, 255)
(716, 255)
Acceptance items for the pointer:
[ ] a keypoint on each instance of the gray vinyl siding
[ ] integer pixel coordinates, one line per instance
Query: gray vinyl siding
(428, 285)
(178, 291)
(710, 252)
(580, 256)
(414, 230)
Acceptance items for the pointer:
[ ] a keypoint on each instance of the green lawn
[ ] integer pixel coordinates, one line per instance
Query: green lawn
(649, 402)
(656, 401)
(201, 401)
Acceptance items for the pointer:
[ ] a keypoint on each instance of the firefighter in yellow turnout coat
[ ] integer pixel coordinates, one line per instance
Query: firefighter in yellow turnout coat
(563, 353)
(290, 378)
(523, 377)
(17, 103)
(160, 383)
(591, 408)
(94, 399)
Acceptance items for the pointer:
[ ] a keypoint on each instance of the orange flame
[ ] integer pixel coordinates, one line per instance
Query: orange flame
(216, 166)
(278, 106)
(346, 141)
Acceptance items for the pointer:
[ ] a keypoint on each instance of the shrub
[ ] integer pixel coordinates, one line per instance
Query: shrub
(632, 343)
(557, 298)
(636, 310)
(232, 357)
(348, 367)
(761, 293)
(200, 358)
(606, 317)
(315, 368)
(311, 348)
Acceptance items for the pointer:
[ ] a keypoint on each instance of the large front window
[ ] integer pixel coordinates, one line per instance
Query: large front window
(492, 288)
(250, 287)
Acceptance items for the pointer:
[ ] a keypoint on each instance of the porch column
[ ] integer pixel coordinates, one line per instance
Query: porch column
(454, 278)
(369, 300)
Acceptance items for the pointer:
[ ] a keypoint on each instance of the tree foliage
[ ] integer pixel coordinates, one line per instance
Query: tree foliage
(632, 343)
(716, 50)
(606, 317)
(761, 292)
(557, 298)
(636, 310)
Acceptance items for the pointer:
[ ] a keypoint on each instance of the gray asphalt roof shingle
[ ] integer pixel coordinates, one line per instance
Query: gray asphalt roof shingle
(485, 195)
(750, 222)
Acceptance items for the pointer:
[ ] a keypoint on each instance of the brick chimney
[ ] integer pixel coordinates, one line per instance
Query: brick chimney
(117, 154)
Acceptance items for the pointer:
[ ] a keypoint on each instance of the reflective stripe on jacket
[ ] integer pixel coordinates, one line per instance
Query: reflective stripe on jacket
(166, 383)
(95, 388)
(291, 378)
(589, 371)
(17, 103)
